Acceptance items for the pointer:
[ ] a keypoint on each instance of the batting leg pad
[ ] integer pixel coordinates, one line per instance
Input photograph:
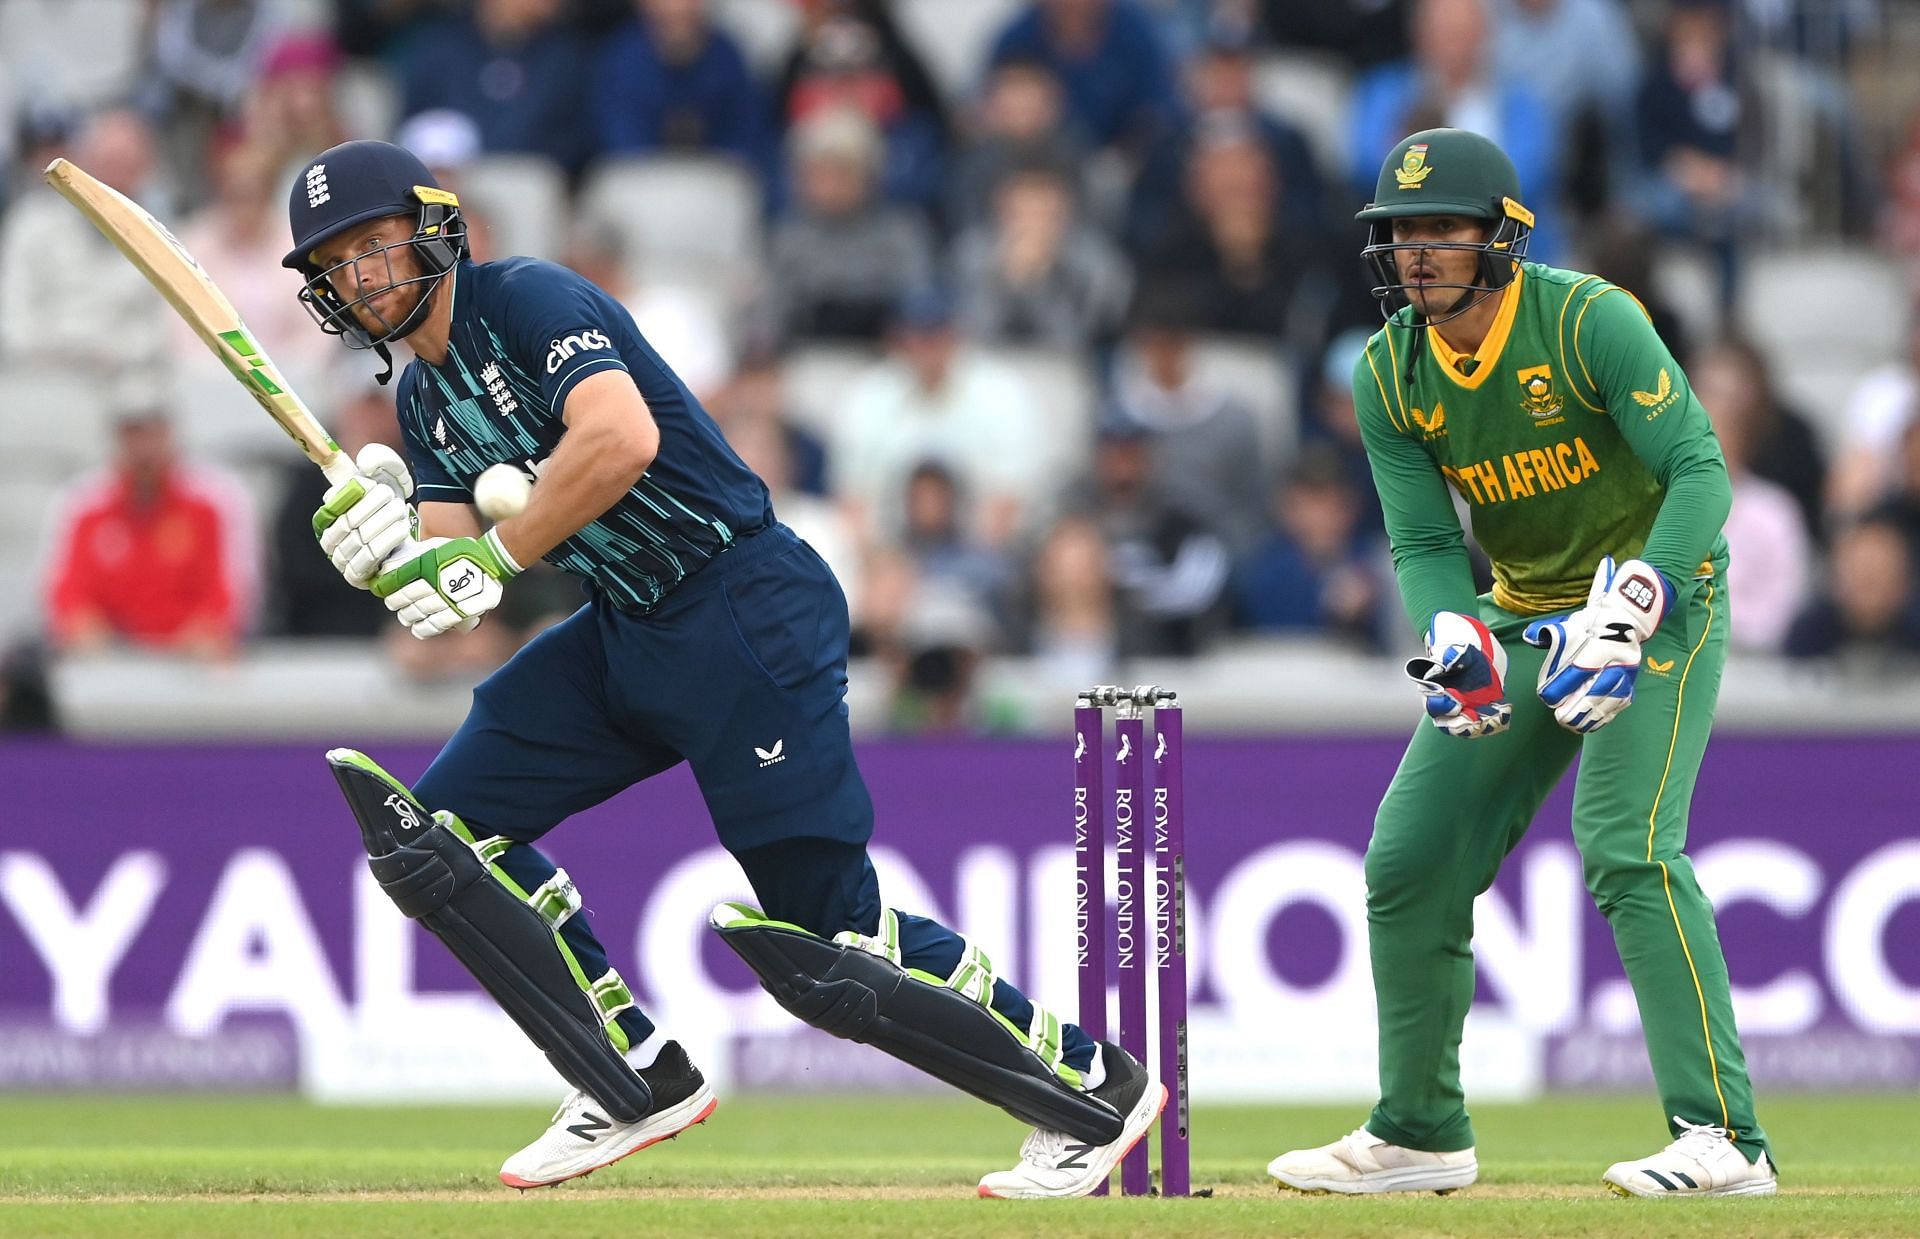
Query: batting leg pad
(943, 1027)
(438, 874)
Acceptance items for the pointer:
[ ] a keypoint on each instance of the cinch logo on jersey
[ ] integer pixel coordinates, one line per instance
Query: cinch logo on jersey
(565, 347)
(1522, 475)
(317, 192)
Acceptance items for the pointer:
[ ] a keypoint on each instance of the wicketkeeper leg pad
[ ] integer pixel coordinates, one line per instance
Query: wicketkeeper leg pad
(940, 1025)
(438, 874)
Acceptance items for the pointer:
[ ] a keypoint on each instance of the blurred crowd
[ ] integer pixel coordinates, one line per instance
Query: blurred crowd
(1038, 316)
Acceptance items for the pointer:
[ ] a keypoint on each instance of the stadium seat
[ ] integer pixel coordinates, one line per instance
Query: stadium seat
(1313, 93)
(52, 420)
(26, 502)
(214, 417)
(308, 14)
(1820, 387)
(678, 214)
(1257, 372)
(816, 377)
(765, 30)
(954, 38)
(1685, 277)
(1836, 313)
(20, 605)
(1063, 386)
(82, 53)
(26, 506)
(368, 99)
(521, 202)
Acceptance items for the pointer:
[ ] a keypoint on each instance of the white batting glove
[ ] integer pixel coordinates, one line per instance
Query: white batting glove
(364, 519)
(1593, 655)
(445, 584)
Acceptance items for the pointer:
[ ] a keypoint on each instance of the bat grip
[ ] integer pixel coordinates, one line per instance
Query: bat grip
(338, 467)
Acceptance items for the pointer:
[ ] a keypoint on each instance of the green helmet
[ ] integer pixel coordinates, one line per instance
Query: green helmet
(1447, 172)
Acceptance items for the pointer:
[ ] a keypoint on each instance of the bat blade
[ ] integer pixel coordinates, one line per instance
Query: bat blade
(158, 254)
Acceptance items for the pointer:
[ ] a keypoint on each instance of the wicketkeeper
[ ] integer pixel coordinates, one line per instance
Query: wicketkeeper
(711, 635)
(1546, 402)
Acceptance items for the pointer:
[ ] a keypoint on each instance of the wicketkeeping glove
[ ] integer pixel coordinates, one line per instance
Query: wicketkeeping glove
(365, 518)
(1593, 654)
(445, 584)
(1463, 677)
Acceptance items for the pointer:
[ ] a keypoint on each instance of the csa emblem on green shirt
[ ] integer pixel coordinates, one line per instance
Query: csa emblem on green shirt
(1537, 395)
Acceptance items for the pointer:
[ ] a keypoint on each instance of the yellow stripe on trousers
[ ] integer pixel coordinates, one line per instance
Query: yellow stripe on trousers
(1706, 1033)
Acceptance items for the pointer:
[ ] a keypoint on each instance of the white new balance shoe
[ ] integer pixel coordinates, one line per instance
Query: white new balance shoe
(1053, 1164)
(1363, 1163)
(583, 1137)
(1704, 1161)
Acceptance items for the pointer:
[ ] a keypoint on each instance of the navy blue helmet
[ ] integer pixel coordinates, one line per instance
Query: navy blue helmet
(353, 183)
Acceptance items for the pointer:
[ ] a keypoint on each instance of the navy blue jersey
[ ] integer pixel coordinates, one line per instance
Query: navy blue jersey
(524, 332)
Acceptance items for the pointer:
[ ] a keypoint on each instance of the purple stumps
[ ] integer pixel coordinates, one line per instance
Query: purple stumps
(1132, 939)
(1090, 868)
(1170, 940)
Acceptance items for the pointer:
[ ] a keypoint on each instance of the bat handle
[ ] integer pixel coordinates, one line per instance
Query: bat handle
(338, 466)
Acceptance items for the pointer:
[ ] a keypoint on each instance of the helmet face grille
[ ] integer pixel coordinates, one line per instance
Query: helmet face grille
(1500, 258)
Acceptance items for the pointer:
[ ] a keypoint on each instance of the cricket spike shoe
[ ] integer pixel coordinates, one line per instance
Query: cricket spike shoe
(583, 1137)
(1054, 1164)
(1704, 1161)
(1362, 1163)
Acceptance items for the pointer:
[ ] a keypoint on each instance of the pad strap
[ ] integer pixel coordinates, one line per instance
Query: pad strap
(933, 1023)
(973, 975)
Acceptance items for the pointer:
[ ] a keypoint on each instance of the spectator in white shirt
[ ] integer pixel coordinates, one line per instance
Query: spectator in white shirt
(933, 400)
(67, 297)
(1882, 404)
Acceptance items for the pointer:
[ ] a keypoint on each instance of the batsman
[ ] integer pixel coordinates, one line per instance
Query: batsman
(1545, 402)
(710, 634)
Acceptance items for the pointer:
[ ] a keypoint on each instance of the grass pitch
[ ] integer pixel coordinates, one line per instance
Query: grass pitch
(892, 1167)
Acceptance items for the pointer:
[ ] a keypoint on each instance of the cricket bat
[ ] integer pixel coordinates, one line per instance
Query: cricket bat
(197, 299)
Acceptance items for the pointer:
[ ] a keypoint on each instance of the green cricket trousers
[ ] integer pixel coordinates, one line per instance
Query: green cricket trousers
(1455, 809)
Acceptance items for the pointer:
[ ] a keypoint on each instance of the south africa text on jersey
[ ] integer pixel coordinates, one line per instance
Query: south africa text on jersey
(1524, 474)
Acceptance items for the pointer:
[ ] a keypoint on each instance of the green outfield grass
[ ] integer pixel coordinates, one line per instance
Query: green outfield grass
(893, 1167)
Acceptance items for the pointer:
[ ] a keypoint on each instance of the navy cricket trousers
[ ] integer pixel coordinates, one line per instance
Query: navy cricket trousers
(741, 671)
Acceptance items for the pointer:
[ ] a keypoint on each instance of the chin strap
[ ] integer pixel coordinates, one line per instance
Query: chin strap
(1466, 301)
(385, 355)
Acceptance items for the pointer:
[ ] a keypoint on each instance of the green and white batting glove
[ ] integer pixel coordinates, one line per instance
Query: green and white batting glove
(445, 584)
(364, 519)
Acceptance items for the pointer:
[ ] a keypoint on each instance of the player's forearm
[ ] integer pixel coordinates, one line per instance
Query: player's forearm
(587, 474)
(1699, 496)
(1429, 552)
(582, 480)
(1434, 576)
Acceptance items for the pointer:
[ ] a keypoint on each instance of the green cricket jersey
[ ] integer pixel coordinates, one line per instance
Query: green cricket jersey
(1571, 434)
